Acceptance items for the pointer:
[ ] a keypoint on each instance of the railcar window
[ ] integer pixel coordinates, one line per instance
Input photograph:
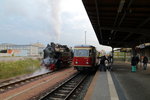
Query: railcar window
(81, 53)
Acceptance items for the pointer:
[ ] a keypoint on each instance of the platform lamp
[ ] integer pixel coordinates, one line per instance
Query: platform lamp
(85, 37)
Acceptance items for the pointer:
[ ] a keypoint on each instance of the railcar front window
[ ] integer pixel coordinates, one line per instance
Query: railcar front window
(81, 53)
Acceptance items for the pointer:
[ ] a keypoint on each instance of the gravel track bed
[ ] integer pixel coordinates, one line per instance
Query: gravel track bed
(36, 87)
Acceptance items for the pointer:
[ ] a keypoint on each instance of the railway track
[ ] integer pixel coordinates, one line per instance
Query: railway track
(5, 86)
(14, 84)
(66, 89)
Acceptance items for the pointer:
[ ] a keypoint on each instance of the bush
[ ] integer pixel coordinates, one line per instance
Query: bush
(12, 69)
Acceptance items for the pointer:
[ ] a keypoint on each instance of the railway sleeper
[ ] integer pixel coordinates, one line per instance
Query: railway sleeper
(16, 84)
(67, 88)
(9, 87)
(60, 94)
(64, 91)
(54, 98)
(69, 85)
(72, 83)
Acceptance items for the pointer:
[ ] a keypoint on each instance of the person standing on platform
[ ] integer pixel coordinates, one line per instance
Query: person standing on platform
(133, 64)
(145, 61)
(102, 63)
(137, 61)
(141, 62)
(110, 62)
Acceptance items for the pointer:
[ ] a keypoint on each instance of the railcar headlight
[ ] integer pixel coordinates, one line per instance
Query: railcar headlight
(87, 62)
(76, 62)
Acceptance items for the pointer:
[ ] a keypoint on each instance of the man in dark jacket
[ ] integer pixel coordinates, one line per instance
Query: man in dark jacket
(145, 61)
(133, 61)
(110, 61)
(137, 61)
(102, 63)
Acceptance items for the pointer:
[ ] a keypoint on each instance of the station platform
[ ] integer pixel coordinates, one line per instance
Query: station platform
(120, 84)
(102, 87)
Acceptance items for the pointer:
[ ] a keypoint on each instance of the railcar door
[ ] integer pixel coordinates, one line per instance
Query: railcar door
(92, 55)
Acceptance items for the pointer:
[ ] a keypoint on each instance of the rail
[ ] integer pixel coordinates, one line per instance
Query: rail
(66, 89)
(7, 86)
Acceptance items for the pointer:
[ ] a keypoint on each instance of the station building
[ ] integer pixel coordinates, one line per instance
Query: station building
(21, 50)
(124, 54)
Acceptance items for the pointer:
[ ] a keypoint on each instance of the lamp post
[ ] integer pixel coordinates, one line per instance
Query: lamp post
(85, 37)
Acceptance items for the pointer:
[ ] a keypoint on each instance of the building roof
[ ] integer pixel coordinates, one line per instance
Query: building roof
(120, 23)
(38, 44)
(35, 44)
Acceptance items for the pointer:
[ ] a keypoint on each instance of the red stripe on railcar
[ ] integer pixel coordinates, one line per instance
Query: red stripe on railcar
(82, 61)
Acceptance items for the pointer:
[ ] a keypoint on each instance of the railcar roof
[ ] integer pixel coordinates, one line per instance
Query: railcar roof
(84, 46)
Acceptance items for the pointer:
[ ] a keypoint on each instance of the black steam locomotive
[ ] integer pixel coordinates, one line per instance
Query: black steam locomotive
(57, 56)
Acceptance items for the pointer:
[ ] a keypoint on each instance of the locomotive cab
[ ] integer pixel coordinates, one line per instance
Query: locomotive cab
(84, 58)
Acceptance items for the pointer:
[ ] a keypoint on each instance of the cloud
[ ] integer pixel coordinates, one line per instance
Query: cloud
(32, 9)
(31, 13)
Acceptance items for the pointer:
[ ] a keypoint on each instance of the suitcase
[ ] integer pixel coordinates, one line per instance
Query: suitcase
(133, 69)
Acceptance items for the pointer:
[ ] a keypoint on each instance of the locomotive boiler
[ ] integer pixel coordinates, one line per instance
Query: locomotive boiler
(57, 56)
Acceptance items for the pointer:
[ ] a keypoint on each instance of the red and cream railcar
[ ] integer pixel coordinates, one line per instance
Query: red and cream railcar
(85, 57)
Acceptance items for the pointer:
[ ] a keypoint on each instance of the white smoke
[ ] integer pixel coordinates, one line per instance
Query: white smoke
(55, 13)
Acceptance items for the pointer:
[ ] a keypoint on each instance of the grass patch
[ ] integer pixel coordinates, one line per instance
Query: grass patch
(15, 68)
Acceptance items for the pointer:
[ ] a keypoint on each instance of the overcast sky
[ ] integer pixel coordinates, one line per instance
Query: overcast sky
(45, 21)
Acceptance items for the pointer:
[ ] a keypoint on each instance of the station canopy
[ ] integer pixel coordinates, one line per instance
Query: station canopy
(120, 23)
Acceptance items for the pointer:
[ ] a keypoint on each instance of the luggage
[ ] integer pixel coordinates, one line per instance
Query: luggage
(133, 68)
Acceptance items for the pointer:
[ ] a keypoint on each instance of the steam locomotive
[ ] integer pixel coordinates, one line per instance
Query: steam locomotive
(57, 56)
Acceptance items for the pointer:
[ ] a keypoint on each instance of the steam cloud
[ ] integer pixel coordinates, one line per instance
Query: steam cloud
(55, 13)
